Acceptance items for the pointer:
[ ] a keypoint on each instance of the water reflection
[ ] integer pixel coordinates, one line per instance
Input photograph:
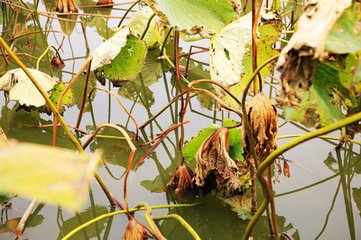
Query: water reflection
(321, 211)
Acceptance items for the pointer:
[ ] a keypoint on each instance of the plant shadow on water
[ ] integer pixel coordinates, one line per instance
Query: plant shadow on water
(321, 199)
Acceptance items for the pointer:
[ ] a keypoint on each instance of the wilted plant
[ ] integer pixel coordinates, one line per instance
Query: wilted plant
(263, 120)
(135, 231)
(57, 62)
(214, 166)
(181, 179)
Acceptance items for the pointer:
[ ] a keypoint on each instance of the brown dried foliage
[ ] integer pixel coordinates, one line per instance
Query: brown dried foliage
(57, 62)
(181, 179)
(105, 2)
(296, 77)
(135, 231)
(263, 119)
(213, 163)
(65, 6)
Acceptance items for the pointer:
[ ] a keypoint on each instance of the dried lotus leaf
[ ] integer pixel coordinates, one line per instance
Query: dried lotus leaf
(214, 164)
(263, 119)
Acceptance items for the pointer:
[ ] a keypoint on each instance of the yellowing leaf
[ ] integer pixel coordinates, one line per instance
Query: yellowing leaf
(138, 23)
(22, 89)
(227, 50)
(48, 174)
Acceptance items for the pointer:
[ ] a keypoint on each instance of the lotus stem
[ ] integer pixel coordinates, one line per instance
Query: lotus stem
(282, 149)
(131, 210)
(181, 221)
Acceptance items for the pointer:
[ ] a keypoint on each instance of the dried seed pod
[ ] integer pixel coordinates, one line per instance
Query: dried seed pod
(57, 62)
(214, 166)
(181, 179)
(263, 119)
(135, 231)
(65, 6)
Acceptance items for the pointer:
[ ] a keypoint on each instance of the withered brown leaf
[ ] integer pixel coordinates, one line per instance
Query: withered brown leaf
(213, 163)
(181, 179)
(135, 231)
(263, 119)
(286, 169)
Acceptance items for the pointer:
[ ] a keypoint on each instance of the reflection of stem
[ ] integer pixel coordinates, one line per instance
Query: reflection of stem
(131, 210)
(346, 195)
(92, 205)
(159, 139)
(162, 110)
(329, 211)
(130, 158)
(181, 221)
(109, 101)
(220, 102)
(109, 224)
(122, 105)
(83, 99)
(280, 150)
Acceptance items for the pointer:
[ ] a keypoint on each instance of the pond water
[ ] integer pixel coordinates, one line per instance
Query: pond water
(329, 210)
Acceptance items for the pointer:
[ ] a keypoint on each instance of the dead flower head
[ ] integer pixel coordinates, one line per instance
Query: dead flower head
(263, 119)
(213, 163)
(181, 179)
(57, 62)
(135, 231)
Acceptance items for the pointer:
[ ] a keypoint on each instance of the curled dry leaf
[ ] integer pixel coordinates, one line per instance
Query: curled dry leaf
(263, 119)
(298, 59)
(135, 231)
(213, 163)
(182, 180)
(286, 169)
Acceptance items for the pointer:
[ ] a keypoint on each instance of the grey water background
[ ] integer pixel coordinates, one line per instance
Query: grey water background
(305, 210)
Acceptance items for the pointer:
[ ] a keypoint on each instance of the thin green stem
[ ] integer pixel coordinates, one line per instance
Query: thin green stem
(181, 221)
(126, 13)
(131, 210)
(269, 160)
(41, 56)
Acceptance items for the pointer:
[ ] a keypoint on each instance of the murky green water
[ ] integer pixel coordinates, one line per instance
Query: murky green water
(329, 210)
